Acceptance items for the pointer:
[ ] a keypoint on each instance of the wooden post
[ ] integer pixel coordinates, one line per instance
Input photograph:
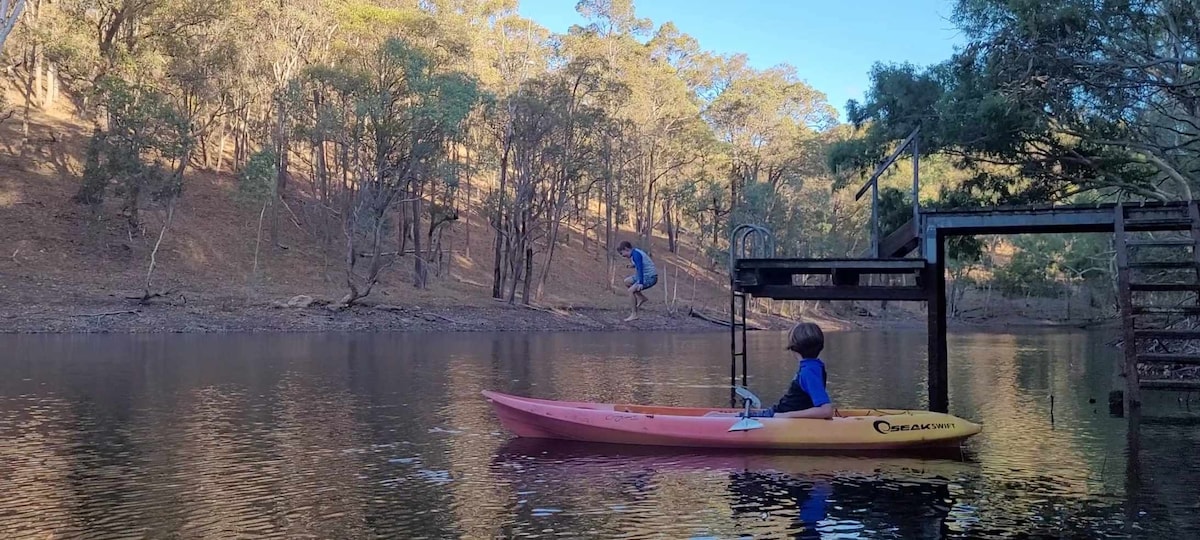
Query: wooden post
(875, 217)
(916, 193)
(1128, 367)
(935, 284)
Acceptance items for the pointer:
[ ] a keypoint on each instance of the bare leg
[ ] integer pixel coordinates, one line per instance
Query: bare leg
(641, 299)
(633, 298)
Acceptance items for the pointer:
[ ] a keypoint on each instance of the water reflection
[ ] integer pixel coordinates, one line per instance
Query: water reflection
(335, 436)
(800, 496)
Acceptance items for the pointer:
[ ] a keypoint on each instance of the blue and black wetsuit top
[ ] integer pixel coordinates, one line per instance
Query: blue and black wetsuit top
(806, 391)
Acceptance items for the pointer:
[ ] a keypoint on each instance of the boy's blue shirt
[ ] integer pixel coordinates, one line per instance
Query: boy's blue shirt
(810, 378)
(643, 267)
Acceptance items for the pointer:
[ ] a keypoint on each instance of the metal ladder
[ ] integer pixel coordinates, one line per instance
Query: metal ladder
(746, 242)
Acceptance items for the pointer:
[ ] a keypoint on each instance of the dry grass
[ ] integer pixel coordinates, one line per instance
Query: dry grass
(52, 244)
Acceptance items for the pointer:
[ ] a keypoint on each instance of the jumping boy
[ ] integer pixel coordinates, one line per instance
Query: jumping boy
(644, 276)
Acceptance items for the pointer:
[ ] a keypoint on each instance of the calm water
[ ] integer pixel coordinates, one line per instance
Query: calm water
(387, 436)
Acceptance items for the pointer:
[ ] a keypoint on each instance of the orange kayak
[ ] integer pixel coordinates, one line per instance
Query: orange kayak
(850, 429)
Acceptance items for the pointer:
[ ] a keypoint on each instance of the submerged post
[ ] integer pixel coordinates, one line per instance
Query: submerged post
(1133, 469)
(935, 288)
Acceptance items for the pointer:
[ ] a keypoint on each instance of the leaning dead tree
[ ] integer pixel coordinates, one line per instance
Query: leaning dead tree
(10, 13)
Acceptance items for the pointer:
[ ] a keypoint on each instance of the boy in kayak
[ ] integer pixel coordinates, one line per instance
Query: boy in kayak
(806, 396)
(644, 276)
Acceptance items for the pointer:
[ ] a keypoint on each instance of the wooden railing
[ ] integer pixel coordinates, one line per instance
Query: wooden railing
(872, 184)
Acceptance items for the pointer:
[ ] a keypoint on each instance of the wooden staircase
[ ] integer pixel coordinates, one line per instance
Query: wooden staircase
(1158, 275)
(896, 244)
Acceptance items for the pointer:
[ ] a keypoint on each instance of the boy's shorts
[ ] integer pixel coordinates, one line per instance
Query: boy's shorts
(649, 282)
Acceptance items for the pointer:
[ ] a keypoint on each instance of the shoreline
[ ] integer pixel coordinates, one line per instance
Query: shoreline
(307, 316)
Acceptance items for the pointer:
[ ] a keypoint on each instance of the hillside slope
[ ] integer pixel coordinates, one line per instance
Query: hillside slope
(65, 266)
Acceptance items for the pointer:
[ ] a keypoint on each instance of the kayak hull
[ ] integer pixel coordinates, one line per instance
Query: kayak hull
(850, 429)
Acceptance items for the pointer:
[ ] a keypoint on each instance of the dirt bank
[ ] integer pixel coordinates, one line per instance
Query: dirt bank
(62, 309)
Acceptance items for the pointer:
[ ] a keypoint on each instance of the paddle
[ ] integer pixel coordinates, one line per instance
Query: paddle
(750, 400)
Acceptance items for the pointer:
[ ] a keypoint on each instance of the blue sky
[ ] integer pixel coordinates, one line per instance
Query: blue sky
(832, 43)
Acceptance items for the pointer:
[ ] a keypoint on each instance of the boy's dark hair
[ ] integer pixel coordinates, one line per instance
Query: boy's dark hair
(806, 339)
(625, 245)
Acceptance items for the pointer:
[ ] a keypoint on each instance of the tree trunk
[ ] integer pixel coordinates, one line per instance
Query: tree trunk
(528, 275)
(281, 172)
(516, 254)
(402, 227)
(466, 213)
(351, 259)
(221, 144)
(39, 80)
(321, 181)
(608, 212)
(32, 82)
(7, 24)
(435, 248)
(52, 82)
(648, 230)
(517, 264)
(154, 253)
(257, 245)
(500, 224)
(420, 272)
(716, 225)
(549, 260)
(132, 196)
(733, 184)
(672, 224)
(238, 143)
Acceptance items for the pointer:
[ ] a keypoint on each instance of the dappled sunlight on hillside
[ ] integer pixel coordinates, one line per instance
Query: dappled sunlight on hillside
(209, 248)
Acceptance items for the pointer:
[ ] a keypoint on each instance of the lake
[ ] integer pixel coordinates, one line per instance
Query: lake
(387, 436)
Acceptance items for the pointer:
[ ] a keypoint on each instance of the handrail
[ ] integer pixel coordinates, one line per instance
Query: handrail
(737, 244)
(887, 163)
(873, 185)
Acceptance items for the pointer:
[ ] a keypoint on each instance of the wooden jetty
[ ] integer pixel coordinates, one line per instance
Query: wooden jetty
(1146, 234)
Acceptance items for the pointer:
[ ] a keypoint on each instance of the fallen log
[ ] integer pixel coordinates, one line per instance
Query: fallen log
(436, 316)
(147, 296)
(107, 313)
(692, 312)
(552, 311)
